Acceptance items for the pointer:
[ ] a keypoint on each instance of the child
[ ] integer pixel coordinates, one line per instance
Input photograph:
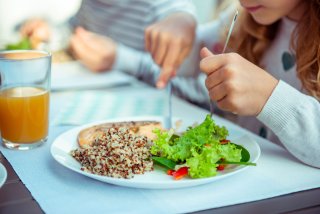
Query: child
(282, 95)
(107, 31)
(273, 83)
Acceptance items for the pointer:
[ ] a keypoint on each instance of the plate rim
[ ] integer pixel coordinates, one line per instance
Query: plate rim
(129, 182)
(5, 174)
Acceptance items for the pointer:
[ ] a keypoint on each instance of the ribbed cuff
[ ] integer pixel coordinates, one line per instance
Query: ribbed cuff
(127, 59)
(281, 107)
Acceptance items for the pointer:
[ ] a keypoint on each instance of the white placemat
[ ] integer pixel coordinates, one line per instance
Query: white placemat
(59, 190)
(73, 75)
(89, 106)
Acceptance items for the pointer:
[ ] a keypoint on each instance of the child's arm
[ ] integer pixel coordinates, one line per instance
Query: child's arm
(241, 87)
(295, 118)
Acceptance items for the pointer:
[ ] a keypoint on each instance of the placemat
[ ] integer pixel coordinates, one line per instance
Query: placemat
(90, 106)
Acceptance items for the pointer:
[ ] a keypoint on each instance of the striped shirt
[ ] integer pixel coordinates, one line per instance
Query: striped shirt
(124, 21)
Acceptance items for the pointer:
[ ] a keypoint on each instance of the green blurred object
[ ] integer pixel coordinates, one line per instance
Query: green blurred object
(23, 44)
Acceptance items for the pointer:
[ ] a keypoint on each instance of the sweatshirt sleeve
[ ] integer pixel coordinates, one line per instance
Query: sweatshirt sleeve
(136, 63)
(161, 9)
(295, 118)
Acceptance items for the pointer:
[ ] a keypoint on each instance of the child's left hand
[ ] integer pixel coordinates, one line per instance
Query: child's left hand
(95, 51)
(169, 41)
(235, 83)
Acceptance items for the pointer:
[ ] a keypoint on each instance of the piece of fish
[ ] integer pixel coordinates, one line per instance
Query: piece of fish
(143, 128)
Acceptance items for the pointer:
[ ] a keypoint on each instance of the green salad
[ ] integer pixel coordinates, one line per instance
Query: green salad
(23, 44)
(198, 152)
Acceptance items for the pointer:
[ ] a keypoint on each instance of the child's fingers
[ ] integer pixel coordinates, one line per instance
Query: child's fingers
(154, 42)
(214, 79)
(161, 51)
(226, 104)
(82, 34)
(184, 53)
(172, 56)
(211, 64)
(91, 40)
(205, 53)
(170, 64)
(218, 92)
(82, 52)
(147, 38)
(164, 77)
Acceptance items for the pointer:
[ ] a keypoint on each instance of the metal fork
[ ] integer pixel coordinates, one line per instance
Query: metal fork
(168, 117)
(224, 50)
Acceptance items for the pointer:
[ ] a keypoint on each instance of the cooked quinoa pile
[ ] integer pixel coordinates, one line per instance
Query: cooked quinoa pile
(116, 153)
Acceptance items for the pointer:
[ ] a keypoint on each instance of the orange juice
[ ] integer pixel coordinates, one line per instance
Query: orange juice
(24, 114)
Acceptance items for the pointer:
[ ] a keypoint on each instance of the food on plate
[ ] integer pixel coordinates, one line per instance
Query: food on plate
(61, 56)
(143, 128)
(123, 149)
(199, 152)
(23, 44)
(116, 152)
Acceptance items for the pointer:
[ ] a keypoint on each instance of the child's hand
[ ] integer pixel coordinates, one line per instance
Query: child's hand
(94, 51)
(235, 83)
(169, 41)
(37, 30)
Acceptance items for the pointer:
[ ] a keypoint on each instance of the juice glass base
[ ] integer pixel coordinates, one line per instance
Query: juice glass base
(22, 146)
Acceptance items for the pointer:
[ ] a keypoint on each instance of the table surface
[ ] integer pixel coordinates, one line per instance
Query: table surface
(16, 198)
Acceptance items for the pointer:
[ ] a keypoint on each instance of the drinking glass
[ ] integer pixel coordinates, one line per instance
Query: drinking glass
(24, 98)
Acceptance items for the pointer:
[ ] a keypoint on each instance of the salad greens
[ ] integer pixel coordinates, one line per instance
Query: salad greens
(199, 148)
(165, 162)
(23, 44)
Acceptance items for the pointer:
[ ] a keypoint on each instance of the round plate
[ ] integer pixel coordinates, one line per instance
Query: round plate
(156, 179)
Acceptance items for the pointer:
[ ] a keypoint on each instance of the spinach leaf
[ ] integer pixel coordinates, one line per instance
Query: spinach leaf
(245, 155)
(237, 163)
(164, 162)
(174, 137)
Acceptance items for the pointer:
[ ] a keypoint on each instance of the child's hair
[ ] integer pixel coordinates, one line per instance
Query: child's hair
(252, 39)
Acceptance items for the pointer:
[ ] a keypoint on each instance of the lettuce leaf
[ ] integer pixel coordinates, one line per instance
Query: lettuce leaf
(23, 44)
(199, 148)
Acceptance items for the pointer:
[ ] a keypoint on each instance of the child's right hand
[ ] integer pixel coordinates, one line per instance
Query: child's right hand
(36, 29)
(236, 84)
(169, 41)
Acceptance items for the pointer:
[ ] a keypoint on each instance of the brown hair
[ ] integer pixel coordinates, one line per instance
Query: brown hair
(252, 39)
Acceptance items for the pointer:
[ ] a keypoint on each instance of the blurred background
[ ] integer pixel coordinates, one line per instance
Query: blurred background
(14, 12)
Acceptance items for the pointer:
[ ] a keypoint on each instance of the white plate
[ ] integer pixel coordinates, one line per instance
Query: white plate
(156, 179)
(3, 175)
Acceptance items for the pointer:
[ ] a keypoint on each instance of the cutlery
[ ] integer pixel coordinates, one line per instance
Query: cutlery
(224, 49)
(168, 118)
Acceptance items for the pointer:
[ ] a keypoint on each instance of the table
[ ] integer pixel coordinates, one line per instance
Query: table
(16, 198)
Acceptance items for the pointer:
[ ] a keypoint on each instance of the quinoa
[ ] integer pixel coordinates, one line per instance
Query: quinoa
(116, 153)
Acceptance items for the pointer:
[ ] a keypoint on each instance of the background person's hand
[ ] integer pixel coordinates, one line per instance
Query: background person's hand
(235, 83)
(37, 30)
(169, 41)
(96, 52)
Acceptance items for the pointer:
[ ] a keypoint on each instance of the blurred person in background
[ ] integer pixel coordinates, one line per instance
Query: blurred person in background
(108, 34)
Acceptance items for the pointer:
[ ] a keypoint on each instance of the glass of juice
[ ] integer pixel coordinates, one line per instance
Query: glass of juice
(24, 98)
